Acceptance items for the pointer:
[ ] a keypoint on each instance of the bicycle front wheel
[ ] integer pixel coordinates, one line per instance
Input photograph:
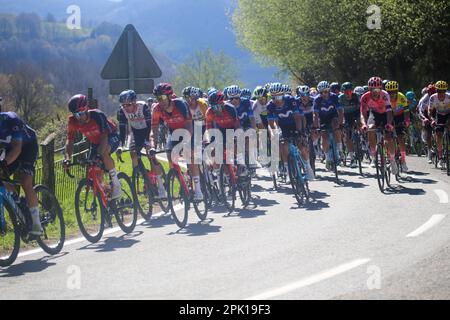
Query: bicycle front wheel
(9, 237)
(52, 221)
(126, 206)
(227, 188)
(380, 165)
(201, 207)
(89, 212)
(177, 196)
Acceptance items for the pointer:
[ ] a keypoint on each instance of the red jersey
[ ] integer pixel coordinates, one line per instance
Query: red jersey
(97, 125)
(175, 119)
(227, 119)
(382, 105)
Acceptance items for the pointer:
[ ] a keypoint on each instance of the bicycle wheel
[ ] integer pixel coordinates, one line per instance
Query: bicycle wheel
(89, 212)
(52, 221)
(211, 185)
(335, 161)
(293, 177)
(227, 188)
(244, 189)
(358, 153)
(274, 180)
(312, 155)
(380, 165)
(201, 207)
(144, 194)
(126, 208)
(447, 150)
(177, 195)
(9, 237)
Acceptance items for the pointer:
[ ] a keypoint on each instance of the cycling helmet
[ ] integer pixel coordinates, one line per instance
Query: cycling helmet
(163, 89)
(359, 90)
(323, 85)
(127, 96)
(187, 92)
(431, 89)
(384, 82)
(216, 97)
(302, 91)
(374, 83)
(195, 93)
(260, 92)
(287, 89)
(78, 103)
(267, 86)
(276, 89)
(347, 86)
(410, 95)
(335, 87)
(211, 90)
(233, 92)
(366, 88)
(392, 86)
(246, 94)
(441, 85)
(150, 101)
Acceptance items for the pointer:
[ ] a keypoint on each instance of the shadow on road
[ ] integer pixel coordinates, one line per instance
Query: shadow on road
(398, 189)
(417, 173)
(158, 222)
(261, 202)
(201, 228)
(415, 180)
(30, 266)
(111, 244)
(246, 213)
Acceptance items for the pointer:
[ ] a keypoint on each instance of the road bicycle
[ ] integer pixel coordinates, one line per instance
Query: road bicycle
(383, 169)
(16, 222)
(297, 173)
(94, 209)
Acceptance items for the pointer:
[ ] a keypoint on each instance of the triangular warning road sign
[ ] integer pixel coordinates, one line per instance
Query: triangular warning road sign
(130, 59)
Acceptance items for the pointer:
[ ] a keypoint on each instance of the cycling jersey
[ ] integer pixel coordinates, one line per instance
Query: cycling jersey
(423, 104)
(259, 111)
(350, 106)
(412, 106)
(13, 128)
(227, 119)
(139, 121)
(326, 107)
(199, 113)
(245, 113)
(306, 109)
(284, 115)
(400, 105)
(175, 119)
(96, 126)
(442, 107)
(380, 106)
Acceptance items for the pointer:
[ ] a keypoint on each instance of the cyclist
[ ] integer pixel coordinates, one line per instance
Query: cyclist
(440, 102)
(359, 91)
(101, 132)
(197, 105)
(175, 114)
(313, 92)
(376, 112)
(260, 107)
(350, 102)
(412, 102)
(240, 99)
(134, 117)
(329, 112)
(285, 115)
(335, 88)
(402, 118)
(150, 102)
(19, 143)
(427, 130)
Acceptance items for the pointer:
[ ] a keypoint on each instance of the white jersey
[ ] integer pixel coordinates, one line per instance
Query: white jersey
(138, 120)
(258, 110)
(423, 103)
(442, 106)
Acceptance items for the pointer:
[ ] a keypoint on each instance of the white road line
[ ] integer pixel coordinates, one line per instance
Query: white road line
(105, 233)
(434, 220)
(443, 196)
(310, 280)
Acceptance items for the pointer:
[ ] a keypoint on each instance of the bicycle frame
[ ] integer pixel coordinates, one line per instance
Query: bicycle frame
(5, 196)
(293, 150)
(177, 168)
(93, 172)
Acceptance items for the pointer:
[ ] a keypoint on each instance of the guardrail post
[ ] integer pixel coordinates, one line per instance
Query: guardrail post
(48, 162)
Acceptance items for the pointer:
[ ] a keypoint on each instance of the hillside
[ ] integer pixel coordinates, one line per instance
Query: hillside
(175, 28)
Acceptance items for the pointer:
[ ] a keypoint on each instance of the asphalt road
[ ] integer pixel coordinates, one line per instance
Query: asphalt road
(351, 242)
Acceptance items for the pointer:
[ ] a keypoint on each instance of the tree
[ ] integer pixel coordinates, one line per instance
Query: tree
(206, 69)
(32, 96)
(7, 27)
(28, 26)
(328, 39)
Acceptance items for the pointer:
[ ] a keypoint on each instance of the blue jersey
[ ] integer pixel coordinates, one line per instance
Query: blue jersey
(244, 113)
(308, 108)
(13, 128)
(327, 107)
(284, 115)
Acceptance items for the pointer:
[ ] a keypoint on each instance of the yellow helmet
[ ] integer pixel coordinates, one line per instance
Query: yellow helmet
(392, 86)
(441, 85)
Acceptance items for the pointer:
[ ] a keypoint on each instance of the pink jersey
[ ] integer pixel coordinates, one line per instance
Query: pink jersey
(382, 105)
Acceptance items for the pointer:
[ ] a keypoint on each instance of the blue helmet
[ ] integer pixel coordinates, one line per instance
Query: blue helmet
(246, 94)
(323, 85)
(287, 89)
(302, 91)
(410, 95)
(276, 89)
(127, 96)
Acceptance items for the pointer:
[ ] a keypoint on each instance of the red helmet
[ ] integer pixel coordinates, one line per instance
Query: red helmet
(431, 89)
(163, 89)
(78, 103)
(375, 83)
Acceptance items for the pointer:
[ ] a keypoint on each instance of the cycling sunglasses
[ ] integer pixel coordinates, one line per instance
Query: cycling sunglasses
(279, 97)
(78, 115)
